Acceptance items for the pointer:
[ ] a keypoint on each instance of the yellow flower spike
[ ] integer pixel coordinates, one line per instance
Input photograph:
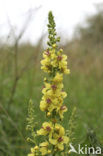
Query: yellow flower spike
(54, 63)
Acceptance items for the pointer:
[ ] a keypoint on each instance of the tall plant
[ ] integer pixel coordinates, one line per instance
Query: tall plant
(52, 135)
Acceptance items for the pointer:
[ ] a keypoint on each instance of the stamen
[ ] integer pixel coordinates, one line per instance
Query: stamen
(54, 87)
(48, 101)
(59, 58)
(60, 139)
(47, 53)
(48, 128)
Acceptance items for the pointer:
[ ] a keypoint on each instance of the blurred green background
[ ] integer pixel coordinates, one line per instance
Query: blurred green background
(21, 80)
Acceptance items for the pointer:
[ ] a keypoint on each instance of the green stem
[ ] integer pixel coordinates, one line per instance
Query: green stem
(53, 151)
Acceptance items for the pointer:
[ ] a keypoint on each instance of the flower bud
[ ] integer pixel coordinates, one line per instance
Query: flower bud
(61, 50)
(36, 147)
(28, 139)
(49, 151)
(48, 114)
(54, 45)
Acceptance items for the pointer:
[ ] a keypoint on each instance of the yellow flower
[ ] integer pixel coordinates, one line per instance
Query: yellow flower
(62, 110)
(58, 78)
(46, 87)
(44, 148)
(63, 94)
(46, 100)
(45, 61)
(62, 63)
(46, 54)
(57, 101)
(47, 128)
(46, 65)
(52, 99)
(34, 151)
(58, 138)
(66, 71)
(43, 105)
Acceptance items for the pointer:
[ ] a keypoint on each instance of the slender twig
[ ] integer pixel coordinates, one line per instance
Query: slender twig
(17, 76)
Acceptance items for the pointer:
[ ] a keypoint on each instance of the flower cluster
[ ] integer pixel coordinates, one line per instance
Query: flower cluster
(53, 95)
(54, 63)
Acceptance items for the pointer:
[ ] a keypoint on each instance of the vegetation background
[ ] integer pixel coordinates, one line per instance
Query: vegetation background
(21, 80)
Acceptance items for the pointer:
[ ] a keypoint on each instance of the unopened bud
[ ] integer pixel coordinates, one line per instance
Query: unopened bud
(28, 139)
(54, 45)
(61, 50)
(36, 147)
(49, 151)
(48, 114)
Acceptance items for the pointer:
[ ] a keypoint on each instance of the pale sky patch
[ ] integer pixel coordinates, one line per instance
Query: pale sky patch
(68, 13)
